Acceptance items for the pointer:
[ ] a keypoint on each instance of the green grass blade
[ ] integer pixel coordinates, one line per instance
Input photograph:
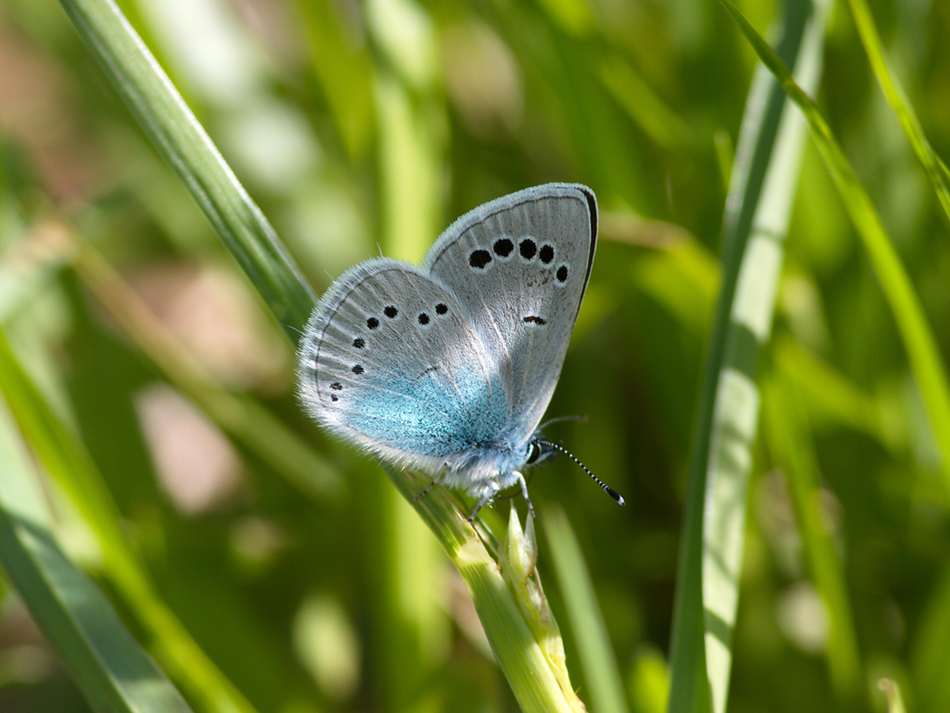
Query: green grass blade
(644, 107)
(790, 436)
(520, 655)
(923, 353)
(760, 196)
(112, 670)
(930, 650)
(74, 471)
(891, 689)
(895, 96)
(183, 143)
(587, 623)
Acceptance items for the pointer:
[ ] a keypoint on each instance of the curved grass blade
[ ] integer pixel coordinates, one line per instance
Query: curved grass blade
(73, 469)
(181, 140)
(587, 623)
(113, 671)
(925, 360)
(758, 206)
(789, 434)
(864, 22)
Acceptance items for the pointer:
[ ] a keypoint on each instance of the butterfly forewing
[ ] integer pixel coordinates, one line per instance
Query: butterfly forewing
(519, 266)
(392, 361)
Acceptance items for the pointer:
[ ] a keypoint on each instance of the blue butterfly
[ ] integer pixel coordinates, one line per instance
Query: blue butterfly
(448, 367)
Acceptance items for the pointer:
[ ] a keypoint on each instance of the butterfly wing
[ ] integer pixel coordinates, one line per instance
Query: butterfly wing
(519, 266)
(391, 361)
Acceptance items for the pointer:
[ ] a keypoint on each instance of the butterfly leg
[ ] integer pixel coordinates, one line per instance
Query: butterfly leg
(425, 492)
(486, 500)
(524, 491)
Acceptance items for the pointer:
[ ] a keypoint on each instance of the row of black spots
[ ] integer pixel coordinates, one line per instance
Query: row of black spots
(337, 387)
(391, 312)
(503, 248)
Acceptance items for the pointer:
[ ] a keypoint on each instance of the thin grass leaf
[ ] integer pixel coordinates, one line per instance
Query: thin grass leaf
(587, 623)
(181, 140)
(831, 396)
(758, 206)
(344, 74)
(923, 353)
(113, 671)
(864, 22)
(895, 701)
(930, 650)
(790, 437)
(642, 104)
(73, 469)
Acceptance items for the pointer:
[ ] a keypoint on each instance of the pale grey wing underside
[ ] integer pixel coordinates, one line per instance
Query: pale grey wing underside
(519, 265)
(391, 361)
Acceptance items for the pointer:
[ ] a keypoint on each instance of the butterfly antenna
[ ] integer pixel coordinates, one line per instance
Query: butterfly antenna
(575, 417)
(607, 489)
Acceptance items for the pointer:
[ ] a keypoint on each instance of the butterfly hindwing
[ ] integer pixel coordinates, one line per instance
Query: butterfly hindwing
(391, 361)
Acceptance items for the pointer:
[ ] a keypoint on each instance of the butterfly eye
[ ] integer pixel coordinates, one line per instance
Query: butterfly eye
(534, 452)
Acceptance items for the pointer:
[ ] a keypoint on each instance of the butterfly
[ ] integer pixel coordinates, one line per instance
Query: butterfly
(449, 366)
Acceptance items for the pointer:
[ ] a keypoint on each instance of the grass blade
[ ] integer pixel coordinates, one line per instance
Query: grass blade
(587, 623)
(519, 654)
(75, 472)
(789, 434)
(759, 204)
(186, 147)
(112, 670)
(923, 353)
(864, 22)
(930, 650)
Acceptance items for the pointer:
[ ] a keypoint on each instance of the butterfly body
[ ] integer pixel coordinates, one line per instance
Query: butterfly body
(448, 367)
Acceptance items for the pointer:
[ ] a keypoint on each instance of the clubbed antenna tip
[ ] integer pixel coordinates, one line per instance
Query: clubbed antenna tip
(606, 488)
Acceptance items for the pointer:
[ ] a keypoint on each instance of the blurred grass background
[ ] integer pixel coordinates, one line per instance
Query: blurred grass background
(296, 568)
